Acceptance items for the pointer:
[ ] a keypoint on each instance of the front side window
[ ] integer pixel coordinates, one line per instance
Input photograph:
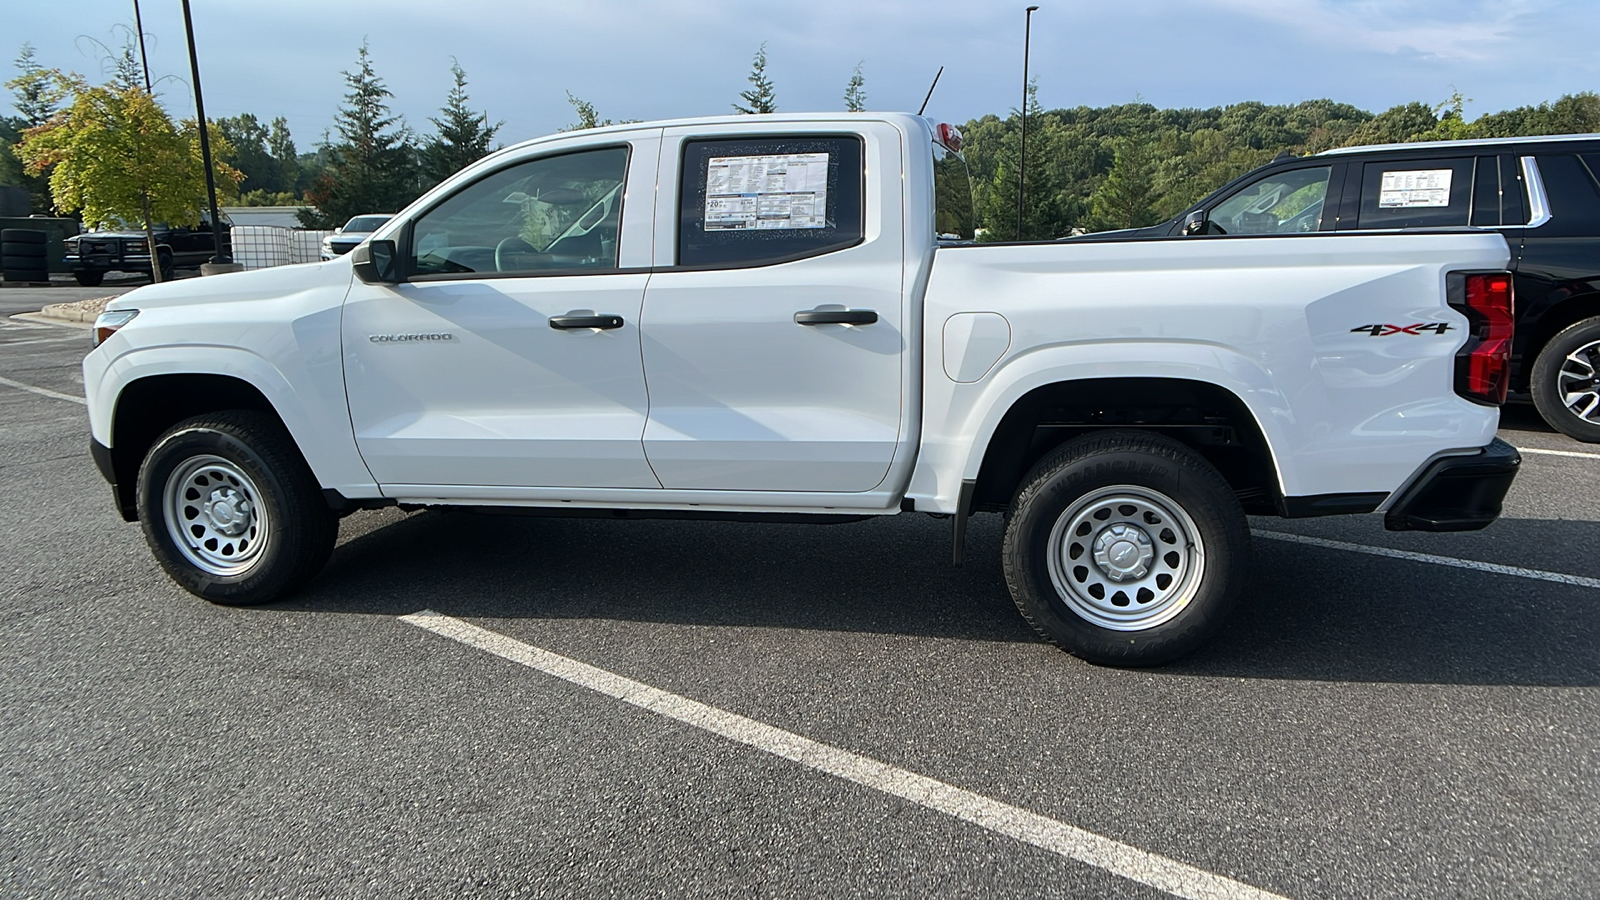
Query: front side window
(754, 201)
(555, 213)
(1282, 203)
(1429, 193)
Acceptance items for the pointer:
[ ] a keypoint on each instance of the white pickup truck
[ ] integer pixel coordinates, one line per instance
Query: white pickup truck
(782, 317)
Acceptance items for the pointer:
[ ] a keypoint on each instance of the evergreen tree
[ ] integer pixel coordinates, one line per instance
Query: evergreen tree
(855, 93)
(1127, 198)
(37, 93)
(461, 136)
(251, 154)
(587, 116)
(372, 168)
(760, 98)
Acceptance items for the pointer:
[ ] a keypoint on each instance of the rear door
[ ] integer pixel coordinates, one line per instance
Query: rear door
(775, 323)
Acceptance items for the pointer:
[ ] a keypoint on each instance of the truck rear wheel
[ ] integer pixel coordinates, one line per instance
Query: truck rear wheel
(1565, 382)
(231, 510)
(1125, 548)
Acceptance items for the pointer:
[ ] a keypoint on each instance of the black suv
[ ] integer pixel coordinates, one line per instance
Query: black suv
(90, 256)
(1542, 193)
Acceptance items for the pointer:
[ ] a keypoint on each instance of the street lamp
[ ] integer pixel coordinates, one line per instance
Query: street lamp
(222, 257)
(1022, 152)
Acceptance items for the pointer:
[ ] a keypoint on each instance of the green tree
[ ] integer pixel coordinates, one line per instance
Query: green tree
(281, 147)
(855, 93)
(1127, 198)
(372, 168)
(587, 116)
(251, 154)
(116, 155)
(37, 93)
(760, 98)
(462, 137)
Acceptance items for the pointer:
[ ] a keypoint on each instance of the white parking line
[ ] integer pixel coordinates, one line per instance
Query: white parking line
(1573, 453)
(1496, 568)
(1069, 841)
(43, 392)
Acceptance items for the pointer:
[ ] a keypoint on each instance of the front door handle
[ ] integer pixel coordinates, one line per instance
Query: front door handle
(585, 321)
(836, 317)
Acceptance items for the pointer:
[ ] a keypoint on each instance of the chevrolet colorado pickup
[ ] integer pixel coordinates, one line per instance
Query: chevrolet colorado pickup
(782, 317)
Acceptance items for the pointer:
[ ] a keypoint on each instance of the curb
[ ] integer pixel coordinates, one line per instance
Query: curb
(42, 319)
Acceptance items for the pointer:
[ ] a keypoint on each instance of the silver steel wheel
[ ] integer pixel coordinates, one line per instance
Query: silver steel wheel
(214, 515)
(1126, 558)
(1578, 382)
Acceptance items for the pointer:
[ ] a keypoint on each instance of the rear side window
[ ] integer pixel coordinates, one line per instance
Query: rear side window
(1570, 188)
(953, 217)
(1416, 193)
(756, 201)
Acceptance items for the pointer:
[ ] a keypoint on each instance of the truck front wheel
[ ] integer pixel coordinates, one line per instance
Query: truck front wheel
(1125, 548)
(231, 510)
(89, 277)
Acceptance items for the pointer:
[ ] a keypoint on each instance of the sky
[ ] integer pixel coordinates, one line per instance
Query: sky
(649, 60)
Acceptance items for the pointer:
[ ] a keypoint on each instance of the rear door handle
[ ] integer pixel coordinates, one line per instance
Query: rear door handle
(586, 321)
(836, 317)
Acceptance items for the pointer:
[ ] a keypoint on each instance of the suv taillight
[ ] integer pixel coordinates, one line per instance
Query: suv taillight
(1483, 364)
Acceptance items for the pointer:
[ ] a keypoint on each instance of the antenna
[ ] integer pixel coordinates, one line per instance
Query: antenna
(930, 90)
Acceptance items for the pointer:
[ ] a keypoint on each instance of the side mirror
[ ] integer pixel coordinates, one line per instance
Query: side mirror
(376, 262)
(1196, 223)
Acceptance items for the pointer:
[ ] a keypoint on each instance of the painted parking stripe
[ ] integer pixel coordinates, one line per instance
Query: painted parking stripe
(1571, 453)
(1065, 840)
(43, 392)
(1496, 568)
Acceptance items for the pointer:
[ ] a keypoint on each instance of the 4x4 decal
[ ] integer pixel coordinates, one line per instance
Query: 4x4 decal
(1417, 329)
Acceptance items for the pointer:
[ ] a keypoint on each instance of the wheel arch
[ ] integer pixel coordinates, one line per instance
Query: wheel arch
(1552, 320)
(1207, 417)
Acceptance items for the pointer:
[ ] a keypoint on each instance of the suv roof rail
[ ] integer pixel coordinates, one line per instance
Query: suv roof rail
(1472, 142)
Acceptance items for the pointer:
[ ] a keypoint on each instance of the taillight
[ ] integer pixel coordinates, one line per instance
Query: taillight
(949, 136)
(1483, 364)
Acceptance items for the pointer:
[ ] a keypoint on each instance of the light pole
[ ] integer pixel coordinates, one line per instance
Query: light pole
(144, 60)
(222, 257)
(1022, 151)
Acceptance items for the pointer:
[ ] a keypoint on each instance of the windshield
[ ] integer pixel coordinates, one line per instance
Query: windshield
(365, 223)
(1287, 202)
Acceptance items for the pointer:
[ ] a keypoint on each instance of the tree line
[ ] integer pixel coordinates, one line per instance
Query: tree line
(1089, 168)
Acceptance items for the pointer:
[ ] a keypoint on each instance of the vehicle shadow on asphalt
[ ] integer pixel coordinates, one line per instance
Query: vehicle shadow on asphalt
(1309, 613)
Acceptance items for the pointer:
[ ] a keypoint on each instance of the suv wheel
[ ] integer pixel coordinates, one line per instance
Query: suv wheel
(89, 277)
(1125, 548)
(231, 510)
(1566, 381)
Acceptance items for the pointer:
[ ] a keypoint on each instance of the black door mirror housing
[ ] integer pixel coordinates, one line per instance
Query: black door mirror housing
(1196, 223)
(376, 262)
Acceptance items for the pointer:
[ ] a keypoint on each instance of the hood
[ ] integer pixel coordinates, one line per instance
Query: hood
(259, 284)
(119, 235)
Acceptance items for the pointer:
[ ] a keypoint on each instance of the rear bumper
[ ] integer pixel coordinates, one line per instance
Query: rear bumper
(1457, 493)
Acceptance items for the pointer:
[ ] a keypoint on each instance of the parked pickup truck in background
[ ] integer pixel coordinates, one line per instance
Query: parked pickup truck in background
(91, 255)
(1541, 193)
(755, 317)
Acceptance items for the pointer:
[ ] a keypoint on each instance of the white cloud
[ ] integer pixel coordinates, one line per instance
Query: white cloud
(1472, 31)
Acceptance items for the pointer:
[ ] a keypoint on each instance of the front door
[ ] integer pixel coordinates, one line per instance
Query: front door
(774, 328)
(510, 355)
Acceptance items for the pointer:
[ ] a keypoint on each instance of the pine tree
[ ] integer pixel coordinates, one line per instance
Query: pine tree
(282, 148)
(372, 168)
(855, 93)
(37, 93)
(462, 136)
(760, 98)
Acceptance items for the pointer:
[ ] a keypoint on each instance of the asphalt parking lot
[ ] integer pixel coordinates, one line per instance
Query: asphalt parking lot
(602, 708)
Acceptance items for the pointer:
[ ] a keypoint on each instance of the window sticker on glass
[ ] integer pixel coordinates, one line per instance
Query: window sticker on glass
(757, 192)
(1420, 188)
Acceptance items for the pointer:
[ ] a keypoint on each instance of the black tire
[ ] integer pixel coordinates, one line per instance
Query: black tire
(164, 258)
(241, 457)
(1197, 538)
(88, 277)
(14, 250)
(23, 236)
(18, 276)
(1556, 378)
